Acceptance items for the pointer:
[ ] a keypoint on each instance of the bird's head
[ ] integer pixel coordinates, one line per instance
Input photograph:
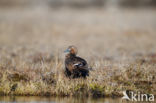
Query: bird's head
(71, 50)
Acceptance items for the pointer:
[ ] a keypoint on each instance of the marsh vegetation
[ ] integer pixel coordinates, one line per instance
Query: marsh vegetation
(119, 46)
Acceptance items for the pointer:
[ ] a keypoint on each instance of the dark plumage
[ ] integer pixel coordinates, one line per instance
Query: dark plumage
(75, 66)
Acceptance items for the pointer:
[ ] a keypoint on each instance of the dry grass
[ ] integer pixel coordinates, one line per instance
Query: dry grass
(43, 75)
(118, 45)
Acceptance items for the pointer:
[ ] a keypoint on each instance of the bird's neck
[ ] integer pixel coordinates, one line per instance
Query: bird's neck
(70, 55)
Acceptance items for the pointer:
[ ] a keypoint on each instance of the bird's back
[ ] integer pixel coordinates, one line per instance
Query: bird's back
(76, 66)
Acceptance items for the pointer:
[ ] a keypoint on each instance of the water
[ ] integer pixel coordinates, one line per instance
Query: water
(33, 99)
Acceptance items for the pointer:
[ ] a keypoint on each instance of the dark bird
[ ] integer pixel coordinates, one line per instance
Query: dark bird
(75, 66)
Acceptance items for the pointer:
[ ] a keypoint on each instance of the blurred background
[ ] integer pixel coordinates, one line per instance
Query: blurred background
(78, 3)
(112, 28)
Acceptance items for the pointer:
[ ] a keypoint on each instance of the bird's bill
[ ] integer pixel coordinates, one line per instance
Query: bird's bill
(67, 51)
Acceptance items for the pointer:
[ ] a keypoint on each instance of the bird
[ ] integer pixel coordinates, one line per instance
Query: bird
(75, 67)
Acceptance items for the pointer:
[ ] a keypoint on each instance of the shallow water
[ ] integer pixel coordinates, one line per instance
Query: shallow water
(38, 99)
(33, 99)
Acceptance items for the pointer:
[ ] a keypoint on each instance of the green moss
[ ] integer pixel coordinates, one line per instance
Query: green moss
(97, 90)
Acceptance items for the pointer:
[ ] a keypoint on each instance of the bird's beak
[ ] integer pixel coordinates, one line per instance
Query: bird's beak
(66, 51)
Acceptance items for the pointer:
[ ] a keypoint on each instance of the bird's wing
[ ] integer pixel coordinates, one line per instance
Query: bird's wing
(79, 63)
(76, 63)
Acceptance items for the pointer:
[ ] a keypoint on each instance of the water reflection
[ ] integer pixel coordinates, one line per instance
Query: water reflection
(34, 99)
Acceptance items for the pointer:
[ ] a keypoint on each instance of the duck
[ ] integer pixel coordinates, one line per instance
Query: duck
(75, 66)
